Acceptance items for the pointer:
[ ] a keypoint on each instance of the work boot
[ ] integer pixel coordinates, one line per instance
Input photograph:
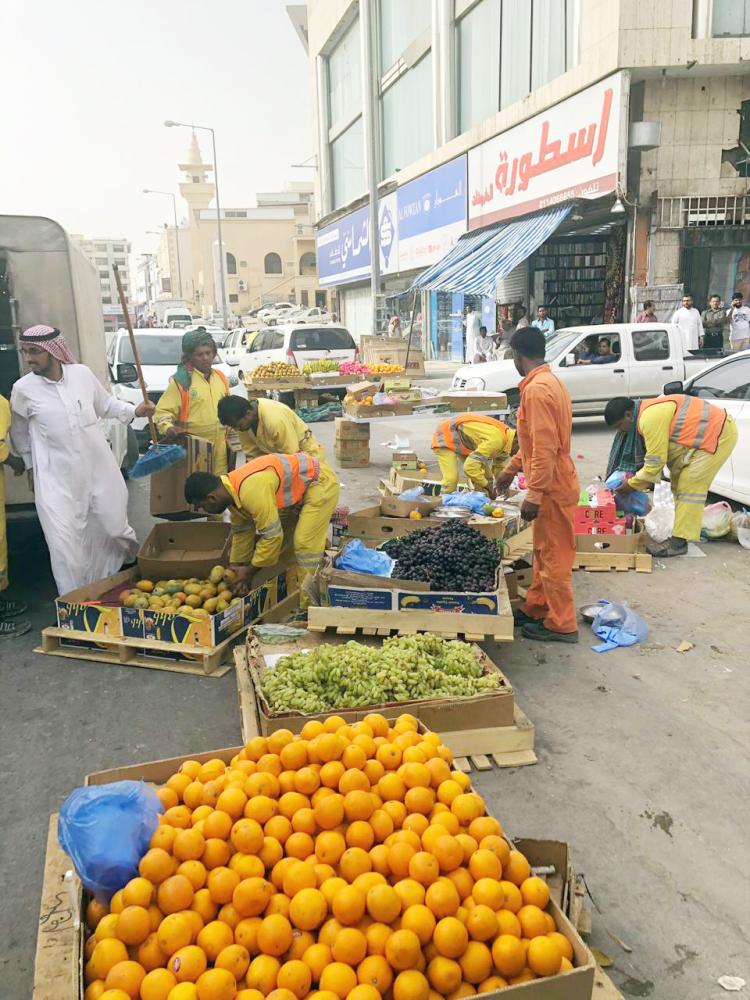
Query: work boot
(521, 618)
(11, 630)
(11, 609)
(537, 630)
(672, 547)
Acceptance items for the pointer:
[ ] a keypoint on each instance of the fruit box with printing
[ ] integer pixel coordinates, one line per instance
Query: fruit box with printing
(168, 486)
(634, 542)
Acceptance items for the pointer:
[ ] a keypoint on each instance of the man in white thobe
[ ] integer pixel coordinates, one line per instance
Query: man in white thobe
(688, 319)
(80, 495)
(472, 333)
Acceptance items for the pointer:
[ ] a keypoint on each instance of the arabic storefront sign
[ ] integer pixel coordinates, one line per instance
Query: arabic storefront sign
(431, 214)
(388, 233)
(570, 151)
(344, 249)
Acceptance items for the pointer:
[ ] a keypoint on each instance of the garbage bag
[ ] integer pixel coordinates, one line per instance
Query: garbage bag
(617, 625)
(634, 502)
(105, 830)
(739, 528)
(357, 558)
(415, 493)
(473, 499)
(716, 520)
(659, 522)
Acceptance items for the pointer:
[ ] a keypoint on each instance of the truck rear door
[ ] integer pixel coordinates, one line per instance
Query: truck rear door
(652, 360)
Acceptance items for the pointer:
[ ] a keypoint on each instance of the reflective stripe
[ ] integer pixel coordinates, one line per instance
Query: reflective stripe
(702, 424)
(482, 459)
(650, 459)
(240, 531)
(692, 498)
(681, 417)
(272, 531)
(305, 559)
(286, 480)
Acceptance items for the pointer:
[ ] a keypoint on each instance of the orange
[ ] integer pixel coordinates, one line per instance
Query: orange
(404, 836)
(217, 824)
(363, 991)
(156, 866)
(330, 773)
(228, 915)
(367, 880)
(251, 896)
(360, 834)
(476, 962)
(133, 925)
(308, 909)
(116, 904)
(156, 984)
(188, 845)
(194, 872)
(349, 947)
(444, 974)
(498, 845)
(105, 955)
(377, 935)
(249, 995)
(354, 779)
(450, 937)
(214, 938)
(316, 958)
(411, 985)
(377, 723)
(544, 956)
(415, 775)
(204, 905)
(509, 955)
(269, 763)
(303, 821)
(508, 923)
(275, 935)
(340, 979)
(485, 864)
(517, 868)
(463, 881)
(262, 973)
(246, 934)
(137, 892)
(448, 790)
(358, 804)
(532, 920)
(375, 971)
(271, 852)
(563, 945)
(550, 920)
(299, 845)
(216, 984)
(442, 898)
(188, 963)
(391, 787)
(439, 771)
(247, 865)
(513, 899)
(297, 876)
(348, 905)
(382, 824)
(175, 893)
(94, 990)
(481, 923)
(126, 976)
(383, 903)
(331, 886)
(535, 892)
(301, 941)
(235, 958)
(279, 827)
(328, 747)
(221, 884)
(389, 756)
(260, 808)
(467, 806)
(399, 857)
(168, 797)
(329, 846)
(419, 800)
(491, 984)
(374, 771)
(402, 949)
(216, 853)
(163, 836)
(296, 977)
(448, 852)
(484, 826)
(488, 891)
(379, 859)
(329, 930)
(396, 810)
(149, 953)
(468, 844)
(424, 868)
(329, 811)
(354, 861)
(421, 920)
(178, 816)
(247, 836)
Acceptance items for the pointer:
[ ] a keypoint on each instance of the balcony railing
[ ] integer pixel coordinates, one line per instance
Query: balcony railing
(689, 211)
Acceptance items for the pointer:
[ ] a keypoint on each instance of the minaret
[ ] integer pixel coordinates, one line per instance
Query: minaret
(198, 192)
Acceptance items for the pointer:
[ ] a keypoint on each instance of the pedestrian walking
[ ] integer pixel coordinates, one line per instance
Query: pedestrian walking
(688, 319)
(648, 315)
(714, 320)
(544, 322)
(739, 324)
(472, 324)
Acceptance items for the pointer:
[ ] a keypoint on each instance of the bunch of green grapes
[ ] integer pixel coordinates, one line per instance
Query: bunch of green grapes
(352, 675)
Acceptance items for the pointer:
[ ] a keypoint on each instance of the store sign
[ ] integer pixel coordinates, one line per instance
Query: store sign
(388, 241)
(431, 215)
(572, 150)
(344, 249)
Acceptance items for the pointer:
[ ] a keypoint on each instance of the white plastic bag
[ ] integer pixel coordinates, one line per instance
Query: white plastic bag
(739, 520)
(659, 522)
(716, 519)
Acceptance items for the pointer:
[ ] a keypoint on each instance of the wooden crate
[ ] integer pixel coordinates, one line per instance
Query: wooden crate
(603, 562)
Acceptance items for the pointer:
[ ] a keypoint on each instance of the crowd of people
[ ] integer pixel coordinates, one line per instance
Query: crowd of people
(713, 329)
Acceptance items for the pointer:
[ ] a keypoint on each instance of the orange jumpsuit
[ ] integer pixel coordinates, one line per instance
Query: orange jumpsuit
(545, 420)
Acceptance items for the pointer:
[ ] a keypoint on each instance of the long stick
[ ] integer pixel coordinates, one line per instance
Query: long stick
(411, 327)
(134, 349)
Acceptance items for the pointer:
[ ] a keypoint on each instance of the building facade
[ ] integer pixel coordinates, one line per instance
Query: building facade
(484, 111)
(104, 254)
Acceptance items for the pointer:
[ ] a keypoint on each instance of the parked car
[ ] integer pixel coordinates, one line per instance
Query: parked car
(235, 345)
(160, 350)
(644, 355)
(277, 313)
(296, 344)
(313, 315)
(726, 383)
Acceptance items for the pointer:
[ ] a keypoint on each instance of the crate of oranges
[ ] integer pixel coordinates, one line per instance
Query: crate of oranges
(349, 862)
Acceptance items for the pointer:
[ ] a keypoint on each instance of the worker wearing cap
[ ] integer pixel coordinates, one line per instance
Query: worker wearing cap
(189, 403)
(265, 426)
(484, 443)
(263, 496)
(693, 438)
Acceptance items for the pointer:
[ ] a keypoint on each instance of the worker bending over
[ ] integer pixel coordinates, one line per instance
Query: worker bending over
(545, 420)
(265, 426)
(188, 405)
(260, 495)
(692, 438)
(484, 442)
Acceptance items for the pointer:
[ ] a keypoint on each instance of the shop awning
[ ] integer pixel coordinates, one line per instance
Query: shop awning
(474, 265)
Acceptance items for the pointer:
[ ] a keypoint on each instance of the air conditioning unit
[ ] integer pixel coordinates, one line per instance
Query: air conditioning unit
(242, 285)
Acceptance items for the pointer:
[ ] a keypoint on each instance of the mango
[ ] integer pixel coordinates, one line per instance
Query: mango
(211, 605)
(216, 574)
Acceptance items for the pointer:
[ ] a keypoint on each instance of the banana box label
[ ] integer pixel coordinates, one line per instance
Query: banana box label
(353, 597)
(449, 603)
(95, 619)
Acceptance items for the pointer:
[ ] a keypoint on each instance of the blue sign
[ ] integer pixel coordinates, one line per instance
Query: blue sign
(432, 212)
(344, 249)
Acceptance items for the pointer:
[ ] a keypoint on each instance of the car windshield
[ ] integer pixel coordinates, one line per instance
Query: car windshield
(323, 338)
(154, 349)
(559, 342)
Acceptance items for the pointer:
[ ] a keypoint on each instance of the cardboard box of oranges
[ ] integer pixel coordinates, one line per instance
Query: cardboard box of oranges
(346, 863)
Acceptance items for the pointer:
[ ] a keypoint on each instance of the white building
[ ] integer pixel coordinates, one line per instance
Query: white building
(104, 254)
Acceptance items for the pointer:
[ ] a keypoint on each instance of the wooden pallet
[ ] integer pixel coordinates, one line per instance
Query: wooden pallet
(344, 621)
(603, 562)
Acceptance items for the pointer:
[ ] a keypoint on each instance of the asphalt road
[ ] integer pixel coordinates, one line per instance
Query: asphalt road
(643, 752)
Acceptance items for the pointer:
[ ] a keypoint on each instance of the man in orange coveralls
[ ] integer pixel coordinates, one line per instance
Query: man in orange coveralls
(545, 421)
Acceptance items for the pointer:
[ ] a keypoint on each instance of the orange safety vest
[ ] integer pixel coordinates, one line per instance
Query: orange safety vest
(695, 424)
(185, 396)
(448, 434)
(295, 473)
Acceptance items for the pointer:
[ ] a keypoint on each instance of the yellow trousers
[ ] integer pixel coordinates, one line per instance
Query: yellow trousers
(480, 471)
(692, 472)
(311, 530)
(3, 535)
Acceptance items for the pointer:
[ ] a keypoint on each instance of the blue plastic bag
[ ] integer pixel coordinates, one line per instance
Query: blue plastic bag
(415, 493)
(105, 830)
(617, 625)
(357, 558)
(473, 499)
(635, 502)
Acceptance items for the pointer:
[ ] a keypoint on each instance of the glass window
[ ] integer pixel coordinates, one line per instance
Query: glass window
(345, 79)
(272, 263)
(478, 53)
(321, 339)
(401, 23)
(515, 52)
(650, 345)
(233, 297)
(231, 263)
(731, 17)
(408, 118)
(348, 164)
(153, 348)
(308, 263)
(548, 42)
(728, 381)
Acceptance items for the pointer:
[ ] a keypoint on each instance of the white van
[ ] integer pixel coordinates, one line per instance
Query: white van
(295, 344)
(177, 316)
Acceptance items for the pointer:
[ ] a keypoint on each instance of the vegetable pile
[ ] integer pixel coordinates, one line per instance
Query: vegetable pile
(352, 675)
(322, 365)
(451, 557)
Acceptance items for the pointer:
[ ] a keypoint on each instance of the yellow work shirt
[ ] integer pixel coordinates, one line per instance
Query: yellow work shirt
(254, 514)
(4, 453)
(491, 446)
(280, 431)
(653, 426)
(202, 420)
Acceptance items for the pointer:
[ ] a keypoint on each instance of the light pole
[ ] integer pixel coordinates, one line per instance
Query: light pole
(176, 231)
(205, 128)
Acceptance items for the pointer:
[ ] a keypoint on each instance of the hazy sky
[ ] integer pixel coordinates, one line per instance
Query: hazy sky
(87, 85)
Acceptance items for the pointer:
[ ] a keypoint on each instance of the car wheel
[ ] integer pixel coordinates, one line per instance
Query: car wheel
(131, 454)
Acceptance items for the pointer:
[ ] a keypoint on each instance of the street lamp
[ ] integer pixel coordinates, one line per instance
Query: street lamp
(176, 231)
(205, 128)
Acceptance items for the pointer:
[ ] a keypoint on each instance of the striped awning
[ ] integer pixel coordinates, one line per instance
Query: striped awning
(474, 265)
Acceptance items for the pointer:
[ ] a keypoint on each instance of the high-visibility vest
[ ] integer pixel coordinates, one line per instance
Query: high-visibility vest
(695, 424)
(448, 434)
(295, 473)
(185, 395)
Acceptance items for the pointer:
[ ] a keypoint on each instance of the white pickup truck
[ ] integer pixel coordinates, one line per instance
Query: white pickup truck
(644, 356)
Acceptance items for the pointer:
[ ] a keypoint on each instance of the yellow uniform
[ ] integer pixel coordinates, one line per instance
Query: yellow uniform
(484, 443)
(201, 419)
(691, 470)
(4, 452)
(279, 430)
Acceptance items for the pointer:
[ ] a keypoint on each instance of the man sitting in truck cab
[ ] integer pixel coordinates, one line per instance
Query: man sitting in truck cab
(604, 354)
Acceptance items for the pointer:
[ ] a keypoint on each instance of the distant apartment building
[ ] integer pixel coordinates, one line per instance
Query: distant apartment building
(104, 254)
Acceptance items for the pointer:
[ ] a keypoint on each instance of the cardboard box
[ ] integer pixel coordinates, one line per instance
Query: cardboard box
(465, 401)
(344, 447)
(360, 390)
(184, 548)
(372, 524)
(389, 351)
(405, 461)
(391, 506)
(635, 542)
(350, 430)
(168, 486)
(377, 410)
